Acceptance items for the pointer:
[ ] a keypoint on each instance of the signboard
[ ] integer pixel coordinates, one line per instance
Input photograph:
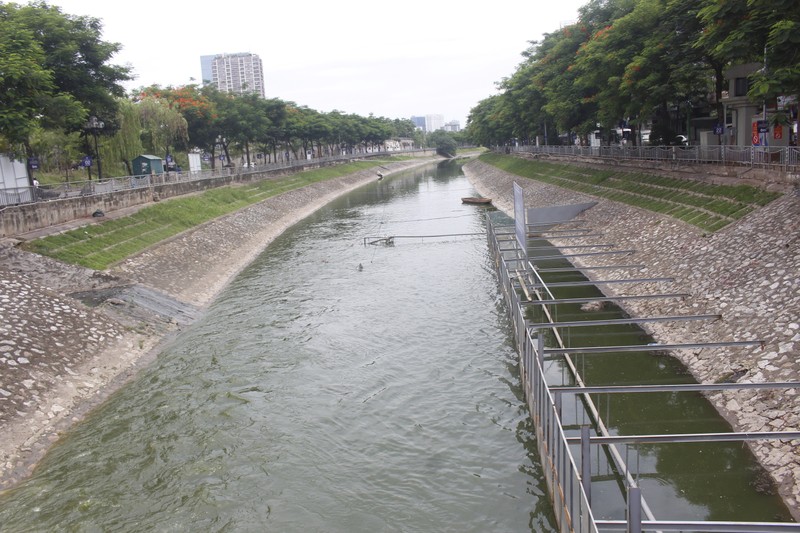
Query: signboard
(777, 132)
(763, 126)
(33, 163)
(194, 162)
(718, 129)
(520, 225)
(86, 162)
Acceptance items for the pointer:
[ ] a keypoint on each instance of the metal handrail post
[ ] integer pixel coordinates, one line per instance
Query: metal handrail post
(586, 462)
(634, 510)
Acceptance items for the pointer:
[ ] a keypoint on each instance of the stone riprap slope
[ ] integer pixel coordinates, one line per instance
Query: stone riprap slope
(749, 272)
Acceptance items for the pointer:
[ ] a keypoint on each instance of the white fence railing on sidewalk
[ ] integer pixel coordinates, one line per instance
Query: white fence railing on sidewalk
(26, 195)
(786, 158)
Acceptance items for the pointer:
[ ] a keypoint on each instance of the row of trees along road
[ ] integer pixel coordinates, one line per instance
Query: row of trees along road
(55, 73)
(644, 61)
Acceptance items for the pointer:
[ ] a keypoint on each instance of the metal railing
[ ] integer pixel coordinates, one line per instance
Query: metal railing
(570, 503)
(569, 477)
(783, 158)
(71, 189)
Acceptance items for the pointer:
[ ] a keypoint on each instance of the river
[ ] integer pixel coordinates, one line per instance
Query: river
(340, 386)
(334, 386)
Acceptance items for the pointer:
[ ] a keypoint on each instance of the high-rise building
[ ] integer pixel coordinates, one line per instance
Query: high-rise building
(434, 122)
(419, 122)
(234, 73)
(453, 125)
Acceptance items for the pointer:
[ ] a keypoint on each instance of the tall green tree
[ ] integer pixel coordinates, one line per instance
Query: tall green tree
(120, 149)
(602, 61)
(163, 127)
(54, 72)
(24, 83)
(444, 142)
(572, 107)
(763, 31)
(488, 124)
(77, 57)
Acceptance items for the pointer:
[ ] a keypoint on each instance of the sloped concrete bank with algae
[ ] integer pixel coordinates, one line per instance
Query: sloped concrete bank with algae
(70, 336)
(749, 272)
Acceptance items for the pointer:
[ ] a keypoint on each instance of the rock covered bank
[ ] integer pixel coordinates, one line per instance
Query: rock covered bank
(749, 272)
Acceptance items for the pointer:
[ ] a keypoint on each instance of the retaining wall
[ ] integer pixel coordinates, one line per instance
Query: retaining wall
(19, 219)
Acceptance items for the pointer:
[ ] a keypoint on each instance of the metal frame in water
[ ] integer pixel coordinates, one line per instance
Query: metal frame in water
(568, 476)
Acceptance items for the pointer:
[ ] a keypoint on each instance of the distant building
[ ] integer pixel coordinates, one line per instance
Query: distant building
(234, 73)
(205, 68)
(419, 122)
(430, 123)
(434, 122)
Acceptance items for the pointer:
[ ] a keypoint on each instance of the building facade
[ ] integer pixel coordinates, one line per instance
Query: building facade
(434, 122)
(419, 122)
(234, 73)
(453, 126)
(748, 123)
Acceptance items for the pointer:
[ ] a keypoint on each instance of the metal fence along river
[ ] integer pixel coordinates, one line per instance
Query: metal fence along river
(584, 448)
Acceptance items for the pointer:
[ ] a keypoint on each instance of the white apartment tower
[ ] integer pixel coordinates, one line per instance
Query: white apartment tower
(434, 122)
(234, 73)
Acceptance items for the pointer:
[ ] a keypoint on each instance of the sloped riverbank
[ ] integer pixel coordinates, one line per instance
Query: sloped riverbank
(749, 272)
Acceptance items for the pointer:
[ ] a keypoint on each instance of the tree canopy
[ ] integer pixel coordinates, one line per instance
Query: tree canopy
(56, 72)
(641, 61)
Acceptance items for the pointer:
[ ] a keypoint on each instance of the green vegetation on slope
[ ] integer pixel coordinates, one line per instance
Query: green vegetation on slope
(709, 207)
(101, 245)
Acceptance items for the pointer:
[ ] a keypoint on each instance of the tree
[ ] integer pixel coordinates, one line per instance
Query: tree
(763, 31)
(445, 144)
(77, 58)
(487, 124)
(163, 126)
(53, 72)
(24, 83)
(126, 144)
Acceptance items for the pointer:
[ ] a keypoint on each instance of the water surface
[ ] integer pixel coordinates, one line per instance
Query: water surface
(333, 387)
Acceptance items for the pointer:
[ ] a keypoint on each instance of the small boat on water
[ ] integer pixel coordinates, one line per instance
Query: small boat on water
(476, 201)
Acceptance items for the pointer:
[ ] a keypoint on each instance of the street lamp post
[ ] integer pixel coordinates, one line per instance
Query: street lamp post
(221, 143)
(94, 125)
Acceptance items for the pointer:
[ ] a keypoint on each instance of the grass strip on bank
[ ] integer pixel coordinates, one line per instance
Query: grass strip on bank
(98, 246)
(709, 207)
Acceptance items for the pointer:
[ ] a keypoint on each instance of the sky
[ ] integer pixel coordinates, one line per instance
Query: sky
(389, 59)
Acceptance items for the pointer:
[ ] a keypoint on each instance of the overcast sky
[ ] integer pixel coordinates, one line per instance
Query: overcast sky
(391, 59)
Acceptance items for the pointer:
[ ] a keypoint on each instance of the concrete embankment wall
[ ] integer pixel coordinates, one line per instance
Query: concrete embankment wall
(20, 219)
(749, 272)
